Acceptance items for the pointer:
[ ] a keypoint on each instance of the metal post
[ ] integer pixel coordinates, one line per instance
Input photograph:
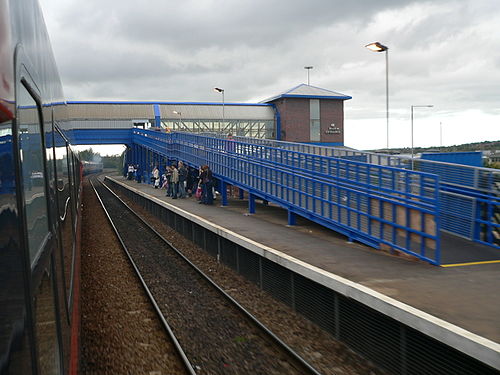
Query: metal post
(308, 68)
(415, 106)
(411, 137)
(387, 93)
(378, 47)
(251, 203)
(217, 89)
(441, 134)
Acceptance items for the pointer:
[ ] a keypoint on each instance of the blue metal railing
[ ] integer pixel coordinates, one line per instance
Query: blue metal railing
(379, 206)
(470, 195)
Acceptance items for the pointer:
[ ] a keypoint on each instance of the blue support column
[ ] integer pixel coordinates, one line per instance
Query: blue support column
(157, 115)
(223, 192)
(149, 166)
(241, 193)
(251, 203)
(292, 219)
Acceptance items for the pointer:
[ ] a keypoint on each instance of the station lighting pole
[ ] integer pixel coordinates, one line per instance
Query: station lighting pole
(378, 47)
(180, 116)
(441, 134)
(308, 68)
(415, 106)
(216, 89)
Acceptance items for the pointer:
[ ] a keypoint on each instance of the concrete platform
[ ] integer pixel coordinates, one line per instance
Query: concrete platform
(465, 300)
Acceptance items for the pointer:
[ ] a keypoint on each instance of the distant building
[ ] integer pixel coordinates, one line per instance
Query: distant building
(311, 114)
(495, 158)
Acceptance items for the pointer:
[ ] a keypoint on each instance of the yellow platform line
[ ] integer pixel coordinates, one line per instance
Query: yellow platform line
(470, 263)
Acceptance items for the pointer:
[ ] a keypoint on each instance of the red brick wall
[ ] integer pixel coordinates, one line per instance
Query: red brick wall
(332, 112)
(295, 122)
(294, 119)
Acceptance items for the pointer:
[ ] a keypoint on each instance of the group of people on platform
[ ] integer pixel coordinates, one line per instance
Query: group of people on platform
(180, 180)
(134, 172)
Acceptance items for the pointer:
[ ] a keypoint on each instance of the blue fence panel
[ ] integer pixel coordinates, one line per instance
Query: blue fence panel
(471, 158)
(478, 186)
(379, 206)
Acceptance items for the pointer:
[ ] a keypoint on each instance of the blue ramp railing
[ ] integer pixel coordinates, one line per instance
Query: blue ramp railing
(379, 206)
(470, 195)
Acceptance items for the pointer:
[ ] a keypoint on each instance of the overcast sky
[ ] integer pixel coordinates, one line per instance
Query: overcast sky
(444, 53)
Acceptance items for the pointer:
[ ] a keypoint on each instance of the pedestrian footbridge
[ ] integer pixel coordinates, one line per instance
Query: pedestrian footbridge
(374, 199)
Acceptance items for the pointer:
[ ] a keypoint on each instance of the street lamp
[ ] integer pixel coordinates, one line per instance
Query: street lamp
(180, 117)
(415, 106)
(378, 47)
(441, 134)
(308, 68)
(216, 89)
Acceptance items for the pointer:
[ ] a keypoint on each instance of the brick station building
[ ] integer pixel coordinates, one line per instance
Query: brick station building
(311, 114)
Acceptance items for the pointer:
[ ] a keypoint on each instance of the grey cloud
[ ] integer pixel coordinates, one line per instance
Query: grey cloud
(179, 50)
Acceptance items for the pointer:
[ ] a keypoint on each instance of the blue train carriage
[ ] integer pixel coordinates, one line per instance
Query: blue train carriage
(40, 188)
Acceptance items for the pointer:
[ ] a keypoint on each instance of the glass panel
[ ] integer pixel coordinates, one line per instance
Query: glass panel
(315, 130)
(46, 331)
(64, 203)
(15, 352)
(314, 109)
(32, 171)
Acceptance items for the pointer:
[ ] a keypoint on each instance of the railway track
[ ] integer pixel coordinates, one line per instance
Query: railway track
(212, 332)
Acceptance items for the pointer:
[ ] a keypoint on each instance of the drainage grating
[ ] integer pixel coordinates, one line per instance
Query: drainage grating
(370, 333)
(229, 253)
(276, 280)
(211, 243)
(249, 265)
(316, 302)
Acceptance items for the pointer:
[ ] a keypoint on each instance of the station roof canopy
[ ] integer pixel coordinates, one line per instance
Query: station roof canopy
(307, 91)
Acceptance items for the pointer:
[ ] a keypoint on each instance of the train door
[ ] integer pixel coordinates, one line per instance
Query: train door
(37, 237)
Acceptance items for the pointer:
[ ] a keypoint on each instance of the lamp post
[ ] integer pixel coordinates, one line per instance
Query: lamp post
(378, 47)
(216, 89)
(441, 134)
(415, 106)
(308, 68)
(180, 116)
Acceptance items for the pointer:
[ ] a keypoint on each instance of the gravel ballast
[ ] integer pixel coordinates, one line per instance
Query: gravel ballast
(120, 332)
(315, 345)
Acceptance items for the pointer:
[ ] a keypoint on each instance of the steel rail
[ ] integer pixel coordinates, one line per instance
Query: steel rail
(247, 314)
(171, 334)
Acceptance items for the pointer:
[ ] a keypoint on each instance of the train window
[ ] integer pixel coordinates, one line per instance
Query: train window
(33, 173)
(49, 155)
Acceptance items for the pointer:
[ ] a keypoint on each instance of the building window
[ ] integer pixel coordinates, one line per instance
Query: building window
(314, 120)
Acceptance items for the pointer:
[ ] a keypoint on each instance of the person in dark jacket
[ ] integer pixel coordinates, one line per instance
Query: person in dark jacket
(138, 173)
(183, 172)
(206, 180)
(191, 182)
